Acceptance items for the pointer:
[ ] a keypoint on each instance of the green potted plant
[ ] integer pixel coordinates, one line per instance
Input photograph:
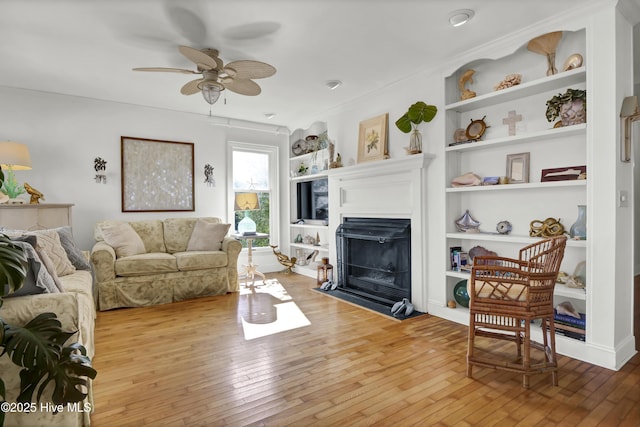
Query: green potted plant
(39, 346)
(571, 107)
(416, 114)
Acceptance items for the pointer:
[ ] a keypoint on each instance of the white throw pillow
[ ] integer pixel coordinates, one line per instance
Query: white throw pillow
(122, 238)
(207, 236)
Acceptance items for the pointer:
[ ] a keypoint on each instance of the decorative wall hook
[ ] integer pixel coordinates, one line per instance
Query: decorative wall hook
(208, 175)
(100, 165)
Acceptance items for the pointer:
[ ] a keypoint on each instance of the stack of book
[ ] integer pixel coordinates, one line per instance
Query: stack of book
(570, 326)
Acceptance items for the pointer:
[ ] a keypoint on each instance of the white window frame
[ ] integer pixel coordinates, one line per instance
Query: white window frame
(274, 185)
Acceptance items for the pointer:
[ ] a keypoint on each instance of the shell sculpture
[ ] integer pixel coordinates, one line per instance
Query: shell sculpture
(467, 224)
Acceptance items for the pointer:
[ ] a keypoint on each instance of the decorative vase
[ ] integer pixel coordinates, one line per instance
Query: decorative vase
(415, 142)
(573, 113)
(578, 230)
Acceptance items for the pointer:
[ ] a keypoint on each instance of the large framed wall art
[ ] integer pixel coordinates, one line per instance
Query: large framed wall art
(157, 175)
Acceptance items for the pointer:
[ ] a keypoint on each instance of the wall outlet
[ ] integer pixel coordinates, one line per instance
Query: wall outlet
(623, 199)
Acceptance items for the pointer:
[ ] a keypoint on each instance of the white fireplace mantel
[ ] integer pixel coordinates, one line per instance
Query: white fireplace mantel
(392, 188)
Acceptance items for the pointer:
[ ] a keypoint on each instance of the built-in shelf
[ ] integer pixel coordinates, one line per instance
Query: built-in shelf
(310, 177)
(560, 289)
(321, 248)
(527, 186)
(542, 135)
(509, 238)
(314, 226)
(520, 91)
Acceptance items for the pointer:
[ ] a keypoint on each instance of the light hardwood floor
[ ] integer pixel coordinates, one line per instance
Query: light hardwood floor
(189, 364)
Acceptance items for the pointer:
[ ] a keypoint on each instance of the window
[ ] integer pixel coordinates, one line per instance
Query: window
(254, 169)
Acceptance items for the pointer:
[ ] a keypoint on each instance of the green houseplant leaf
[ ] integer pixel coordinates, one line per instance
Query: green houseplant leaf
(416, 114)
(13, 268)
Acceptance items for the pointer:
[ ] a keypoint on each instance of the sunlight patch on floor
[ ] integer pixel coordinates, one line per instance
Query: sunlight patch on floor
(266, 308)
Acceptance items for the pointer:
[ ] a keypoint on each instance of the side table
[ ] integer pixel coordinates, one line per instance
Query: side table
(250, 269)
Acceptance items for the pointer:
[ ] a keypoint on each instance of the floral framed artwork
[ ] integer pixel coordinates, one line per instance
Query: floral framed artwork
(518, 168)
(372, 139)
(157, 175)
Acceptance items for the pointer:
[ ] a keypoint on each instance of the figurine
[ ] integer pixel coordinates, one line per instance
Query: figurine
(464, 92)
(35, 194)
(284, 260)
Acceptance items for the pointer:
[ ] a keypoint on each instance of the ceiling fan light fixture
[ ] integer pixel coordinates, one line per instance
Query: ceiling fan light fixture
(460, 17)
(211, 91)
(333, 84)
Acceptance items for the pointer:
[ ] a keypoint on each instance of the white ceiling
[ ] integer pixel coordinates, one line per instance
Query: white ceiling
(88, 47)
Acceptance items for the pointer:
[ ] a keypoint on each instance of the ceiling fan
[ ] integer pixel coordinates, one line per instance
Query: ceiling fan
(236, 76)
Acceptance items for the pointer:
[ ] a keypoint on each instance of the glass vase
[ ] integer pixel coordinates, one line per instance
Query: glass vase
(578, 230)
(415, 141)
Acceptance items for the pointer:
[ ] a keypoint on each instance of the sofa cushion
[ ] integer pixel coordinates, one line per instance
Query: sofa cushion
(122, 238)
(198, 260)
(73, 252)
(144, 264)
(48, 241)
(207, 236)
(177, 232)
(152, 234)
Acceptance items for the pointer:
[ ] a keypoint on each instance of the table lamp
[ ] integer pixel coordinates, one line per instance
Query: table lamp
(13, 156)
(246, 202)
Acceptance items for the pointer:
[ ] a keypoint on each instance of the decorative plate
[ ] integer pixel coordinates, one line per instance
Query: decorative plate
(299, 147)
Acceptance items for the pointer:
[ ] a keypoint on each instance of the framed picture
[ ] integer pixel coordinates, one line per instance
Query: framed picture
(157, 176)
(564, 174)
(518, 168)
(372, 139)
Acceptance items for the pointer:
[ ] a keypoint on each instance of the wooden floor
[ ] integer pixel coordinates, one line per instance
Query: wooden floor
(198, 363)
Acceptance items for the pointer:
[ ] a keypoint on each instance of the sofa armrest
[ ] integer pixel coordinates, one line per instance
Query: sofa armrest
(232, 247)
(103, 258)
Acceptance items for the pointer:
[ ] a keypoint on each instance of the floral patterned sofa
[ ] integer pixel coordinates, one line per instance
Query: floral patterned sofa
(59, 281)
(143, 263)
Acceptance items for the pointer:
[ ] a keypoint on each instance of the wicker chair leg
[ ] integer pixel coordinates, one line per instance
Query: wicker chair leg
(470, 344)
(552, 352)
(526, 360)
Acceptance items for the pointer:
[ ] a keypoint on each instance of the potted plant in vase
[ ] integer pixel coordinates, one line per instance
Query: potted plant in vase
(571, 107)
(416, 114)
(39, 346)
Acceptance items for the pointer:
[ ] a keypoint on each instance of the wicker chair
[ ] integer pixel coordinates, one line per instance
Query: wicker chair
(506, 295)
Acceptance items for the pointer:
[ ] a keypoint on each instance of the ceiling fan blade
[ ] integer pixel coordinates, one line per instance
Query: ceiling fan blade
(166, 70)
(244, 87)
(246, 69)
(200, 58)
(191, 88)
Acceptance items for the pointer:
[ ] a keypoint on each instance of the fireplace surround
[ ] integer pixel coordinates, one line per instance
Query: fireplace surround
(386, 189)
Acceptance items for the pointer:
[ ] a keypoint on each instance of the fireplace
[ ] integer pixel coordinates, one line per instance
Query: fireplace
(374, 258)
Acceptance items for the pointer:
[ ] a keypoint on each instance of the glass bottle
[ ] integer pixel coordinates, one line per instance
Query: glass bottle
(578, 230)
(415, 141)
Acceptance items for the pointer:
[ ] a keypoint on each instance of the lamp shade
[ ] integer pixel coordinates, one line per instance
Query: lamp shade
(211, 91)
(246, 202)
(14, 155)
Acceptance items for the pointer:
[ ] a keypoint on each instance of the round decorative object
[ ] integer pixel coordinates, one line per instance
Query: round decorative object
(476, 129)
(299, 147)
(503, 227)
(451, 304)
(550, 227)
(460, 293)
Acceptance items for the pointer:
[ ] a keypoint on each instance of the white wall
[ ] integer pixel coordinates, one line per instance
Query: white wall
(64, 135)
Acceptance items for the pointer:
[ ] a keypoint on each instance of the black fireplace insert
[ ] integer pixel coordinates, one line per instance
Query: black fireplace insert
(374, 258)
